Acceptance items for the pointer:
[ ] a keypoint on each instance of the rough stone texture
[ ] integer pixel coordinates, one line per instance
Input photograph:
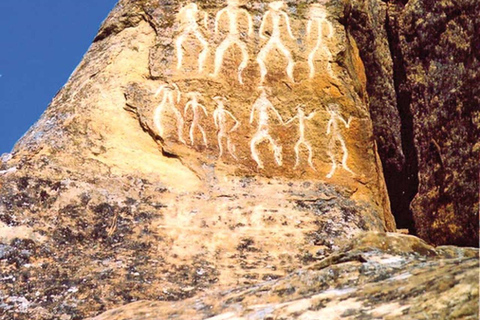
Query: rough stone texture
(117, 209)
(439, 43)
(376, 276)
(432, 49)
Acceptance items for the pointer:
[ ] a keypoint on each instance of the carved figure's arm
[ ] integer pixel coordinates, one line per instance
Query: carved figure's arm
(262, 25)
(217, 19)
(204, 109)
(179, 94)
(237, 123)
(215, 116)
(311, 115)
(252, 114)
(276, 113)
(330, 29)
(205, 20)
(291, 120)
(347, 124)
(309, 28)
(287, 21)
(188, 105)
(250, 22)
(330, 122)
(160, 89)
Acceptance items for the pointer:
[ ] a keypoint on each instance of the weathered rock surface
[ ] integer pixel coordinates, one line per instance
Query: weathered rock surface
(433, 53)
(161, 172)
(376, 276)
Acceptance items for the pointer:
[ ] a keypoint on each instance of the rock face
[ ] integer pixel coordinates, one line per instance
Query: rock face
(431, 48)
(376, 276)
(203, 146)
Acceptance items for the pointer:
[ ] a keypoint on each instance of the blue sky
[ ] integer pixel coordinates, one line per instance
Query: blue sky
(41, 43)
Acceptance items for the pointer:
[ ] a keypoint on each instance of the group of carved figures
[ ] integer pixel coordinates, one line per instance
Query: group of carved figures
(226, 123)
(189, 16)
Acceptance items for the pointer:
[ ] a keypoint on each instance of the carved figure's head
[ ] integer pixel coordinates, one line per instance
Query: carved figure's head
(300, 108)
(318, 11)
(191, 7)
(220, 101)
(333, 108)
(234, 3)
(276, 5)
(194, 95)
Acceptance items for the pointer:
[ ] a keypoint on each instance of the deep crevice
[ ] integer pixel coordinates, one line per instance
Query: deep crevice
(402, 185)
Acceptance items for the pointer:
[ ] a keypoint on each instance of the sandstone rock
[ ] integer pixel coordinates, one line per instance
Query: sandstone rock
(384, 276)
(438, 43)
(153, 177)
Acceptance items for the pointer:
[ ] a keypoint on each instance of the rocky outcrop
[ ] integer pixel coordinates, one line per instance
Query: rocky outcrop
(382, 276)
(433, 54)
(200, 147)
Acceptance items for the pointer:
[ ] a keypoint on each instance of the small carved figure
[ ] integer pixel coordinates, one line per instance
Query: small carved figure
(335, 135)
(318, 18)
(188, 16)
(196, 108)
(262, 106)
(168, 104)
(301, 140)
(221, 123)
(276, 14)
(234, 13)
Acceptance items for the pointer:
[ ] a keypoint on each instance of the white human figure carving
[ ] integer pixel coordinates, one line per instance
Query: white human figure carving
(276, 13)
(234, 12)
(262, 106)
(334, 131)
(221, 123)
(318, 18)
(301, 140)
(196, 108)
(188, 16)
(168, 105)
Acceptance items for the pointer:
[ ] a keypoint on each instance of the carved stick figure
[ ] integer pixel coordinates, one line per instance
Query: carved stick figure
(318, 18)
(233, 12)
(188, 23)
(168, 104)
(276, 14)
(220, 119)
(301, 140)
(195, 105)
(332, 128)
(262, 105)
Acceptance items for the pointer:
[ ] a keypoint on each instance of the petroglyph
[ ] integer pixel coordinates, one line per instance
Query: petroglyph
(276, 14)
(335, 135)
(168, 104)
(301, 117)
(262, 106)
(196, 108)
(220, 117)
(318, 19)
(234, 13)
(188, 17)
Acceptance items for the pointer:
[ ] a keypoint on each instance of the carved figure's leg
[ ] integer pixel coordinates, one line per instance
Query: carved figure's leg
(178, 45)
(311, 62)
(192, 134)
(220, 147)
(277, 150)
(157, 120)
(310, 155)
(180, 123)
(231, 148)
(261, 60)
(288, 55)
(243, 65)
(203, 135)
(219, 53)
(203, 55)
(259, 137)
(331, 154)
(345, 156)
(297, 153)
